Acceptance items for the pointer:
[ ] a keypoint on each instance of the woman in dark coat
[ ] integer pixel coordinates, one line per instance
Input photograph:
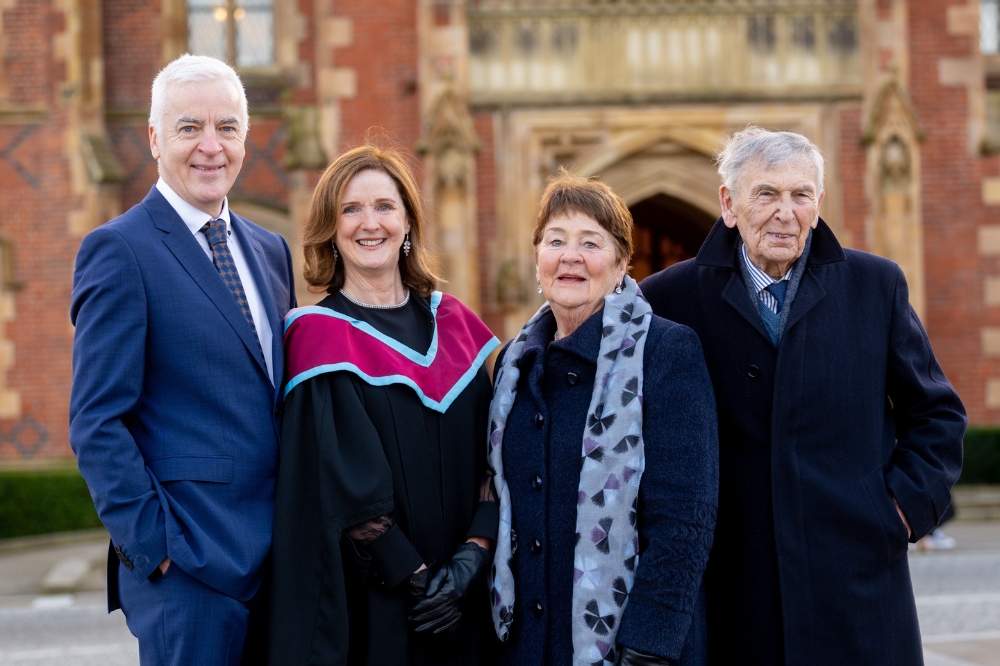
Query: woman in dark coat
(378, 514)
(603, 442)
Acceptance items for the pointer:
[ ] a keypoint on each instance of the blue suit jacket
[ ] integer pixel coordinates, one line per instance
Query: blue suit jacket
(173, 417)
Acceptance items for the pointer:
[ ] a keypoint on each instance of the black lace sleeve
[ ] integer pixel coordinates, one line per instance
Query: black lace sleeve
(368, 531)
(487, 491)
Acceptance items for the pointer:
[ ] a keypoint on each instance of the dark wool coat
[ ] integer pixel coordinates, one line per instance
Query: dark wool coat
(816, 437)
(542, 452)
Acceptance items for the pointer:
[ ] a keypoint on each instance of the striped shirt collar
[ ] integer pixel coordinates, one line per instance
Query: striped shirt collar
(761, 281)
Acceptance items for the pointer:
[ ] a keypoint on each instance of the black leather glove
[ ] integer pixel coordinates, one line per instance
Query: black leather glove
(629, 657)
(440, 609)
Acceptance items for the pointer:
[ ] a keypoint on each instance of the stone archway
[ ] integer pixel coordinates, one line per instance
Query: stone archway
(667, 230)
(670, 183)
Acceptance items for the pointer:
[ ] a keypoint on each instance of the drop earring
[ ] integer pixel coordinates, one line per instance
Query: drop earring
(406, 245)
(539, 287)
(618, 287)
(335, 255)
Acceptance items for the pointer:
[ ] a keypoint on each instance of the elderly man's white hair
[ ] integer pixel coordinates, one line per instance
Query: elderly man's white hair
(759, 147)
(188, 68)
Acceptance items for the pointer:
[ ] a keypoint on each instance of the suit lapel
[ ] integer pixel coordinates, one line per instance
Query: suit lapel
(182, 244)
(810, 293)
(735, 293)
(253, 253)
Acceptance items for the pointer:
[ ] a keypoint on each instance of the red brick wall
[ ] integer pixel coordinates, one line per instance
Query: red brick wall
(132, 57)
(262, 178)
(34, 201)
(27, 69)
(132, 52)
(952, 210)
(384, 57)
(35, 198)
(854, 205)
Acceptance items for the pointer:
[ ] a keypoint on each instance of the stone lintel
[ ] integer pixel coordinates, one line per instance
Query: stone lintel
(338, 83)
(989, 239)
(991, 191)
(10, 405)
(963, 19)
(991, 290)
(958, 72)
(990, 338)
(338, 32)
(993, 393)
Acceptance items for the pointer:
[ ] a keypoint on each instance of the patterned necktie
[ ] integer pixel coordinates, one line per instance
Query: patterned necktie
(777, 290)
(215, 231)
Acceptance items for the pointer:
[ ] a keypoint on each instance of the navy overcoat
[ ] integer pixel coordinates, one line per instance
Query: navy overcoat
(542, 453)
(816, 437)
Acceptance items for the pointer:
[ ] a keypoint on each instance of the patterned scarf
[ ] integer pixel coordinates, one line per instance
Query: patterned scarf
(607, 550)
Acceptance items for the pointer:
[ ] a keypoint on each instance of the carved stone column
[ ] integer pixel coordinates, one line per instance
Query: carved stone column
(95, 173)
(894, 227)
(449, 147)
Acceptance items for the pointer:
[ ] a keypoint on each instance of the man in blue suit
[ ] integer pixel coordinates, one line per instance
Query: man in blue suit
(177, 365)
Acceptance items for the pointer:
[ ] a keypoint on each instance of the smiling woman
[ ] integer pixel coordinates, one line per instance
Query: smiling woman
(595, 377)
(383, 463)
(583, 243)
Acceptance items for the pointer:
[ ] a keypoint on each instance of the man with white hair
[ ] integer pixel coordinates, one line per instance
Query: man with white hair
(840, 437)
(177, 362)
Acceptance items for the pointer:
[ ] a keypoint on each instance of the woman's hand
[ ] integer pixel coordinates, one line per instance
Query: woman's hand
(416, 584)
(440, 609)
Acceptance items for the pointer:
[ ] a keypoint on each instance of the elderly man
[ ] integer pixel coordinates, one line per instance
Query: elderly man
(840, 438)
(177, 361)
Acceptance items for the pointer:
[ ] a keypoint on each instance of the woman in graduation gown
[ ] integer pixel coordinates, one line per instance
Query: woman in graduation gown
(384, 515)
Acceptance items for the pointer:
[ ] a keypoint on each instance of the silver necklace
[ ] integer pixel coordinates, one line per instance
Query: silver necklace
(406, 300)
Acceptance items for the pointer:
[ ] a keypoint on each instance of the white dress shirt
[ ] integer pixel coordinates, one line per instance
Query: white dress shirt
(195, 220)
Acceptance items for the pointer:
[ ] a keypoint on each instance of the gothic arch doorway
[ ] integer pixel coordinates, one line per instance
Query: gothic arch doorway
(667, 230)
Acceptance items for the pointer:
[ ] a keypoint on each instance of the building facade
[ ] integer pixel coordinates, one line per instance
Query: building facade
(493, 96)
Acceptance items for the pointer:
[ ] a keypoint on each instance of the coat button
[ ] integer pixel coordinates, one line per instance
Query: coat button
(753, 371)
(536, 482)
(539, 420)
(536, 546)
(572, 378)
(538, 609)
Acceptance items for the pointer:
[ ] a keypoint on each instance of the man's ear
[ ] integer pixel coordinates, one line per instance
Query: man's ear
(819, 201)
(153, 147)
(726, 204)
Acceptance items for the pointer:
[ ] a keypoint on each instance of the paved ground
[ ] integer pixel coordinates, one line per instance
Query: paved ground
(958, 599)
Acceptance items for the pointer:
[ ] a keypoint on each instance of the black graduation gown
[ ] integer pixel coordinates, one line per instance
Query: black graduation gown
(350, 452)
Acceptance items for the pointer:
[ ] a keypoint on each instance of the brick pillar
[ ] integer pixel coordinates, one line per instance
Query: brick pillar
(961, 200)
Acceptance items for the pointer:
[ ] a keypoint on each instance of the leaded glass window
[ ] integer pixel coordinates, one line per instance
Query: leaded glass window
(236, 31)
(989, 26)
